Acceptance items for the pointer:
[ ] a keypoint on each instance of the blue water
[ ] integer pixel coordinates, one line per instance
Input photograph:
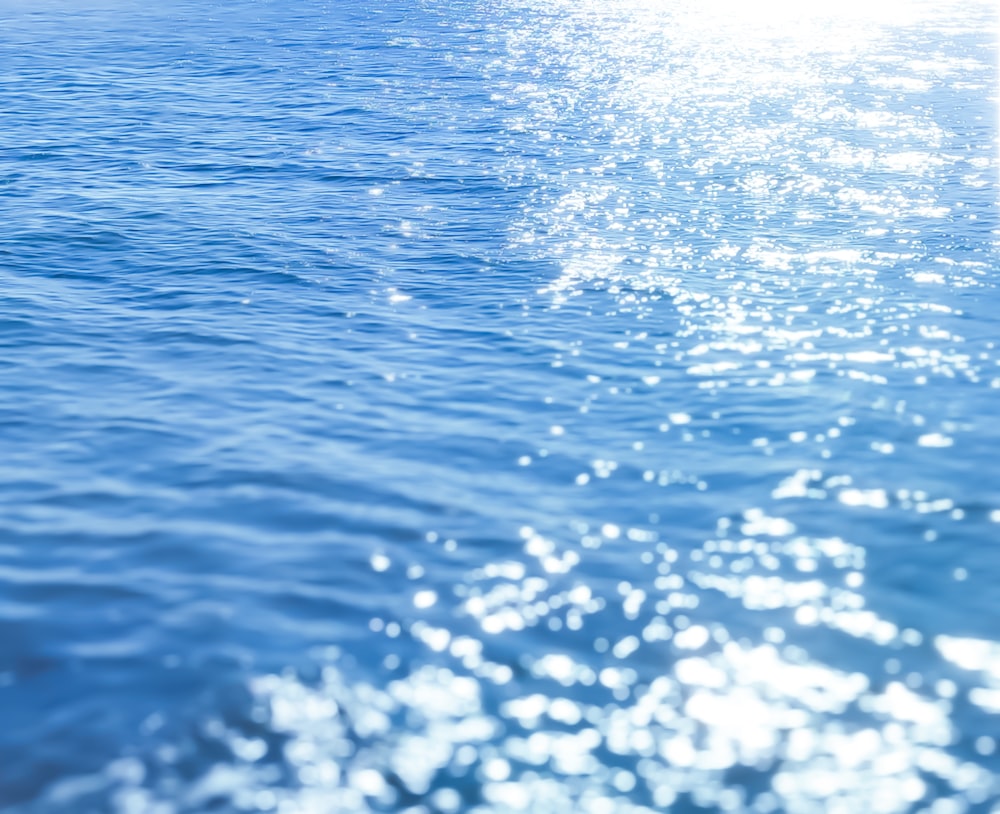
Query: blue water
(499, 406)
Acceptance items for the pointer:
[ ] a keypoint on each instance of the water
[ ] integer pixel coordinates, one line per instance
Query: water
(499, 406)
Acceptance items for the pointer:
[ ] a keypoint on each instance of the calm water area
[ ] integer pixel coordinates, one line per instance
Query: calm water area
(563, 406)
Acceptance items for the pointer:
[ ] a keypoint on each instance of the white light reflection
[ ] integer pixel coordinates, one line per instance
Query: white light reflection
(680, 734)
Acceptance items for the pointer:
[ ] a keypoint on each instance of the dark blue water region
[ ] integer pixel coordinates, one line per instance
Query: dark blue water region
(499, 406)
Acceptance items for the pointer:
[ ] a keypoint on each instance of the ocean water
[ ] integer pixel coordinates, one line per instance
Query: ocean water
(499, 406)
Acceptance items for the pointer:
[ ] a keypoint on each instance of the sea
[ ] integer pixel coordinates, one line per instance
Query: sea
(495, 406)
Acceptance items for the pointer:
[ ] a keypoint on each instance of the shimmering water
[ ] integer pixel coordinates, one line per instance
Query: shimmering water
(499, 406)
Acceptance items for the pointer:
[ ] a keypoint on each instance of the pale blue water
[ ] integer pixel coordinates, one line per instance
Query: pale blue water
(504, 406)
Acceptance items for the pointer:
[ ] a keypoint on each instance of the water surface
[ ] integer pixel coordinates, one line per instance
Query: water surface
(499, 406)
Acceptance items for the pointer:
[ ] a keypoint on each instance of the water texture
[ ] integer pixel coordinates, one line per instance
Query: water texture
(499, 406)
